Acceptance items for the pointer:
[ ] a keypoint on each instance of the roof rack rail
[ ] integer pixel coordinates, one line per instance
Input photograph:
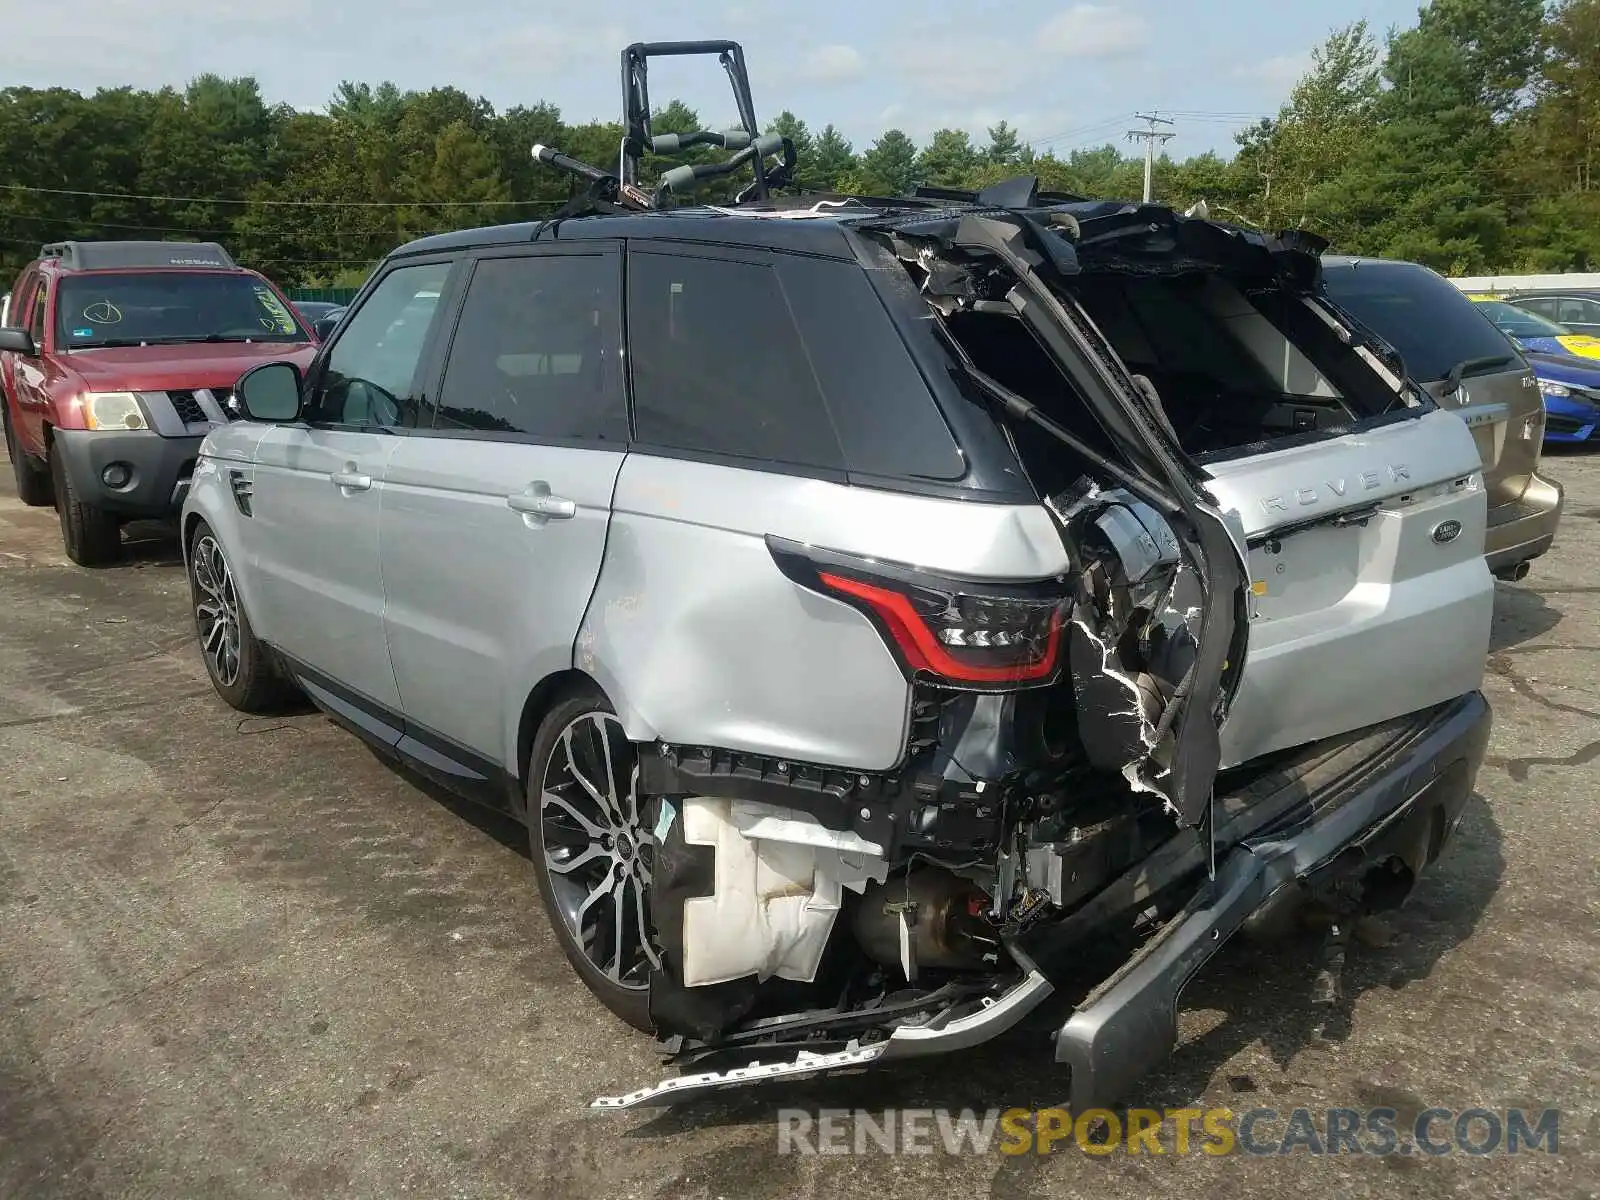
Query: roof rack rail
(93, 256)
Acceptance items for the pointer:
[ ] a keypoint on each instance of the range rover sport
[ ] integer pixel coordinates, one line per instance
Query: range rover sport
(868, 604)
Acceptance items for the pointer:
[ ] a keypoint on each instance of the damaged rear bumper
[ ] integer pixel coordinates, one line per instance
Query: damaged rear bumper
(1404, 811)
(1386, 796)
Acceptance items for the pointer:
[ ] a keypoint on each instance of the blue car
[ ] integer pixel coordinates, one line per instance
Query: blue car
(1571, 388)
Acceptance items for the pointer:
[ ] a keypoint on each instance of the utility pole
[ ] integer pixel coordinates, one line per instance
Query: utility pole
(1150, 136)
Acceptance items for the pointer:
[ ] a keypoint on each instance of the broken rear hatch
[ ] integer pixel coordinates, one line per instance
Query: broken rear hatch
(1355, 506)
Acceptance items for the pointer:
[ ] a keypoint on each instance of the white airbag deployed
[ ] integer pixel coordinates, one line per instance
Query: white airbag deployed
(770, 911)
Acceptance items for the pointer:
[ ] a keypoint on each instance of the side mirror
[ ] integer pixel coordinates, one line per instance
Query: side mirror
(270, 392)
(324, 327)
(19, 341)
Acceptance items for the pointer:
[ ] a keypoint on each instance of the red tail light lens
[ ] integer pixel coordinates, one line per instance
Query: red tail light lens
(962, 633)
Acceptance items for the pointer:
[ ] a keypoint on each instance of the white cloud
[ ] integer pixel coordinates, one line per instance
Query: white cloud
(555, 49)
(832, 65)
(1278, 74)
(963, 67)
(1094, 31)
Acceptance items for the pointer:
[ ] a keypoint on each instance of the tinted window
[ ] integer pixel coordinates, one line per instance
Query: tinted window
(1544, 307)
(1519, 322)
(170, 307)
(718, 365)
(1425, 317)
(371, 366)
(887, 420)
(535, 350)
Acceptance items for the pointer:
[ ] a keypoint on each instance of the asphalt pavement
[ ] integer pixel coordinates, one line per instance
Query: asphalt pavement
(248, 958)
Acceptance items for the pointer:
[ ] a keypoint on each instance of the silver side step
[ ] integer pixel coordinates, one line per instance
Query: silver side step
(909, 1041)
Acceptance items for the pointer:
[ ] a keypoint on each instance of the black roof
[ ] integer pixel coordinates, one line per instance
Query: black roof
(827, 232)
(824, 236)
(98, 256)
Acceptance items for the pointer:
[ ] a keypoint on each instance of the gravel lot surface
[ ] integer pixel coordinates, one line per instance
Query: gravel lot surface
(246, 958)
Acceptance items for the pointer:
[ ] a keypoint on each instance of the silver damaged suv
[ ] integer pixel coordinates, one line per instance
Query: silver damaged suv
(868, 606)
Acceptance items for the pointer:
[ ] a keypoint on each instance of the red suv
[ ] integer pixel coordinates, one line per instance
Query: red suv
(116, 359)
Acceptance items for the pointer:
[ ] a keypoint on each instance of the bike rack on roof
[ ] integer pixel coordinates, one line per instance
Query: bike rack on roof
(636, 135)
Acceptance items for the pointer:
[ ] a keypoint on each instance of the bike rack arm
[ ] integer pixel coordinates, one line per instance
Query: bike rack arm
(636, 94)
(679, 178)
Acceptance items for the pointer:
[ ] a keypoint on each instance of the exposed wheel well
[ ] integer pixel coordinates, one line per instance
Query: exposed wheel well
(551, 691)
(187, 533)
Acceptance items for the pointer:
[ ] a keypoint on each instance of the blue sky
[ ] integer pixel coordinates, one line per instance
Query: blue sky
(1066, 74)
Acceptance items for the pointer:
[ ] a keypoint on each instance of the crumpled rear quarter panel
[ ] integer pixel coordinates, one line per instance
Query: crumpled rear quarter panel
(698, 638)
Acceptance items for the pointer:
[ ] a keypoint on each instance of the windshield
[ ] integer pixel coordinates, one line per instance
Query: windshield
(1425, 317)
(1519, 322)
(168, 307)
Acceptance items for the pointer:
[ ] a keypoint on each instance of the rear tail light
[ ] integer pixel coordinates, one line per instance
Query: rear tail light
(978, 636)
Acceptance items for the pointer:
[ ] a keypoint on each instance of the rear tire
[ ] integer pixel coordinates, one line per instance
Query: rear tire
(591, 854)
(91, 535)
(32, 476)
(241, 668)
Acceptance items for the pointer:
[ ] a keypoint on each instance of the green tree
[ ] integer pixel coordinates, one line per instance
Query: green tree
(1005, 148)
(1331, 112)
(1422, 183)
(949, 159)
(1554, 158)
(889, 167)
(1468, 141)
(833, 158)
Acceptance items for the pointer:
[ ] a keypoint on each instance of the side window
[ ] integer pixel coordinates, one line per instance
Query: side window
(1540, 305)
(535, 350)
(718, 365)
(370, 371)
(888, 422)
(1579, 312)
(36, 320)
(17, 303)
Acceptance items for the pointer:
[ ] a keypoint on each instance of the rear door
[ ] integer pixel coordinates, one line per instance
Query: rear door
(494, 521)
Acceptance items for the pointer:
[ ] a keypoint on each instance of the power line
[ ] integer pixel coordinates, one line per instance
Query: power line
(1079, 130)
(18, 187)
(249, 231)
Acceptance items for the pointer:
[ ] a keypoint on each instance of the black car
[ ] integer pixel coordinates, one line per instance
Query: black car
(313, 311)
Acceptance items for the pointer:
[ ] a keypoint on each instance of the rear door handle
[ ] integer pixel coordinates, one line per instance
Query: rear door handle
(538, 502)
(351, 480)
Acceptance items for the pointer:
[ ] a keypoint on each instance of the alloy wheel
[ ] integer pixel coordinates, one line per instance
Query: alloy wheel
(216, 610)
(597, 854)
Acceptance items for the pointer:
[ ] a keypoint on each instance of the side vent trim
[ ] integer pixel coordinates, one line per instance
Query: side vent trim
(243, 490)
